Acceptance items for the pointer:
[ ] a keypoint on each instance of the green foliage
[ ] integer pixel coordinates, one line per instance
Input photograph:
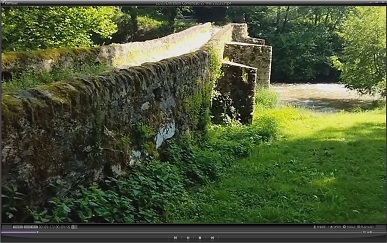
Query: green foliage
(140, 197)
(303, 38)
(215, 65)
(144, 132)
(237, 141)
(152, 187)
(30, 28)
(363, 62)
(267, 127)
(144, 140)
(31, 79)
(12, 200)
(196, 166)
(182, 25)
(308, 54)
(266, 98)
(197, 108)
(193, 106)
(85, 205)
(147, 24)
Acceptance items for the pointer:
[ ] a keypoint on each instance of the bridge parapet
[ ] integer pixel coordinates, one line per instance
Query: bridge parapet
(235, 91)
(240, 34)
(258, 56)
(80, 130)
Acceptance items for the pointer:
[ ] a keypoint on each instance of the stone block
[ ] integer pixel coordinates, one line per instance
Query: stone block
(258, 56)
(235, 93)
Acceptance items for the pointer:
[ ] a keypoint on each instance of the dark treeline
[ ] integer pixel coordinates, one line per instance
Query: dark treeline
(310, 43)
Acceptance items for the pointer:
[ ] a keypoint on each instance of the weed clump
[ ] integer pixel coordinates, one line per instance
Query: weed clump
(266, 98)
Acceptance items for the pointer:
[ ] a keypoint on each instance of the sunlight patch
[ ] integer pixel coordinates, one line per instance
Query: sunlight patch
(324, 182)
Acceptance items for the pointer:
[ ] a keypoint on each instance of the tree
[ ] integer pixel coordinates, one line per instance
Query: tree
(363, 62)
(303, 38)
(170, 14)
(29, 28)
(210, 14)
(133, 12)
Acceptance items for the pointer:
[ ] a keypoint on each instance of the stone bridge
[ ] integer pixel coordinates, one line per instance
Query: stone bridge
(80, 130)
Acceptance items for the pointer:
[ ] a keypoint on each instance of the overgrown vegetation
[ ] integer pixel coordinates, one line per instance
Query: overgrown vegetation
(29, 80)
(266, 98)
(317, 170)
(138, 198)
(158, 186)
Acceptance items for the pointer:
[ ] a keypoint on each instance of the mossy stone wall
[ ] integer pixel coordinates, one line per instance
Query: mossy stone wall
(116, 55)
(249, 66)
(235, 94)
(77, 131)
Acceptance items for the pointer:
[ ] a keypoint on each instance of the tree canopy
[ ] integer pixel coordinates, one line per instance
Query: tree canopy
(363, 62)
(310, 43)
(28, 28)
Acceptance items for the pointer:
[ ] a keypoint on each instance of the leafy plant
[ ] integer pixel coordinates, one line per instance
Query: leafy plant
(11, 201)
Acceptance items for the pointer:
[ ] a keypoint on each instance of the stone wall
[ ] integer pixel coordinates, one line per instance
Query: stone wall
(248, 67)
(258, 56)
(79, 130)
(119, 55)
(235, 94)
(240, 34)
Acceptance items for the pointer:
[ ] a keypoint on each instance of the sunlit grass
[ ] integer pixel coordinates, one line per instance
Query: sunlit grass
(324, 168)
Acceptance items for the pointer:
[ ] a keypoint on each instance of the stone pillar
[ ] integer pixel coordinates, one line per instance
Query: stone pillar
(235, 93)
(257, 56)
(240, 34)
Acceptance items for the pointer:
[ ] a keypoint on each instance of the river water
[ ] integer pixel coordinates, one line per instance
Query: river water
(325, 97)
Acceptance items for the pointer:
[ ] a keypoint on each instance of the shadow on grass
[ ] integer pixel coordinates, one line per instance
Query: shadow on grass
(332, 176)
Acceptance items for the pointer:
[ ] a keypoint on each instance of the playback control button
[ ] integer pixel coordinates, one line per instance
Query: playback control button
(194, 238)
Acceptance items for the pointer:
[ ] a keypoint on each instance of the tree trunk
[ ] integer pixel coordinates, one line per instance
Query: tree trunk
(278, 16)
(172, 13)
(286, 19)
(134, 22)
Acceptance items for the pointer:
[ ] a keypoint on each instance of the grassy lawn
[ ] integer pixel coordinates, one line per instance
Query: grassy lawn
(323, 168)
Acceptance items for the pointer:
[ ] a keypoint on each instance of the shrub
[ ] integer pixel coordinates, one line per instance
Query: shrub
(85, 205)
(267, 127)
(196, 165)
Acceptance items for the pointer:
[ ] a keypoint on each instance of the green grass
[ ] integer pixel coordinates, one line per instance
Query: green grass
(266, 98)
(323, 168)
(30, 80)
